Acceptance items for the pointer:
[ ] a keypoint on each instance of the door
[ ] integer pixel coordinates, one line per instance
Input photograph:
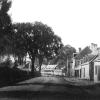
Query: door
(80, 73)
(98, 72)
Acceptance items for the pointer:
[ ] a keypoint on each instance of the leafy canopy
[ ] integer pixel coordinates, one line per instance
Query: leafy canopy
(38, 40)
(5, 26)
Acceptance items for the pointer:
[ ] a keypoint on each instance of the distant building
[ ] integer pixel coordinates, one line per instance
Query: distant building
(47, 69)
(51, 70)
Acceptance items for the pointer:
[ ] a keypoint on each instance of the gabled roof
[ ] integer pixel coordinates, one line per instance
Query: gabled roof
(83, 53)
(91, 57)
(87, 59)
(97, 58)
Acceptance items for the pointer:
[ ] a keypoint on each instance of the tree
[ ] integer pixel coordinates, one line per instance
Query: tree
(5, 27)
(20, 41)
(65, 55)
(46, 43)
(66, 52)
(39, 41)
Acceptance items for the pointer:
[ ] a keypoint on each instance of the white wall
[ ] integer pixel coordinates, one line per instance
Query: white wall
(86, 68)
(96, 75)
(73, 68)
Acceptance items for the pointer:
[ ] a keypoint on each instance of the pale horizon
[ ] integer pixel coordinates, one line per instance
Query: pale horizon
(77, 22)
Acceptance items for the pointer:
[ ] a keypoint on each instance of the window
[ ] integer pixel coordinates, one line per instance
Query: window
(82, 61)
(84, 72)
(85, 59)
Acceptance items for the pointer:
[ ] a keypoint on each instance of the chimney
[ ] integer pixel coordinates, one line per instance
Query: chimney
(80, 49)
(98, 49)
(94, 48)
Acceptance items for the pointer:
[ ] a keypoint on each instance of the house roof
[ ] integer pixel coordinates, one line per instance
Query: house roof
(91, 57)
(97, 58)
(48, 67)
(83, 53)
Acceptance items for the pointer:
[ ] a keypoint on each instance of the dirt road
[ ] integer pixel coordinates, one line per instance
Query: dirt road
(47, 88)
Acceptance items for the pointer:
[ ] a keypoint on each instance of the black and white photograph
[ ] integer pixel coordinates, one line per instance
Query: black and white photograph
(49, 49)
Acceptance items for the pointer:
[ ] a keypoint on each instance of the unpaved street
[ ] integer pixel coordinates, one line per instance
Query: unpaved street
(47, 88)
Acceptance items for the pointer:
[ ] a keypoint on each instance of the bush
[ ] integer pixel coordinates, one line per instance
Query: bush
(10, 75)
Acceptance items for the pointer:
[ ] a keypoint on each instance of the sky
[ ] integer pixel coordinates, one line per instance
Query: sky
(77, 22)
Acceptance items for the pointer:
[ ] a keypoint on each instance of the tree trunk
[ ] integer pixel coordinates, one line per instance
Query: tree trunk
(33, 55)
(32, 67)
(67, 67)
(19, 60)
(40, 64)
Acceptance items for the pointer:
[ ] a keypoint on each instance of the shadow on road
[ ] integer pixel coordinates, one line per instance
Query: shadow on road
(26, 95)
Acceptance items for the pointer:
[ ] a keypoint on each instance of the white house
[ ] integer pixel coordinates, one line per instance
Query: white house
(51, 70)
(87, 63)
(48, 69)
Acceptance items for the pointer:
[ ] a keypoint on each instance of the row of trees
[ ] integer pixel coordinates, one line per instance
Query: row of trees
(38, 39)
(35, 39)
